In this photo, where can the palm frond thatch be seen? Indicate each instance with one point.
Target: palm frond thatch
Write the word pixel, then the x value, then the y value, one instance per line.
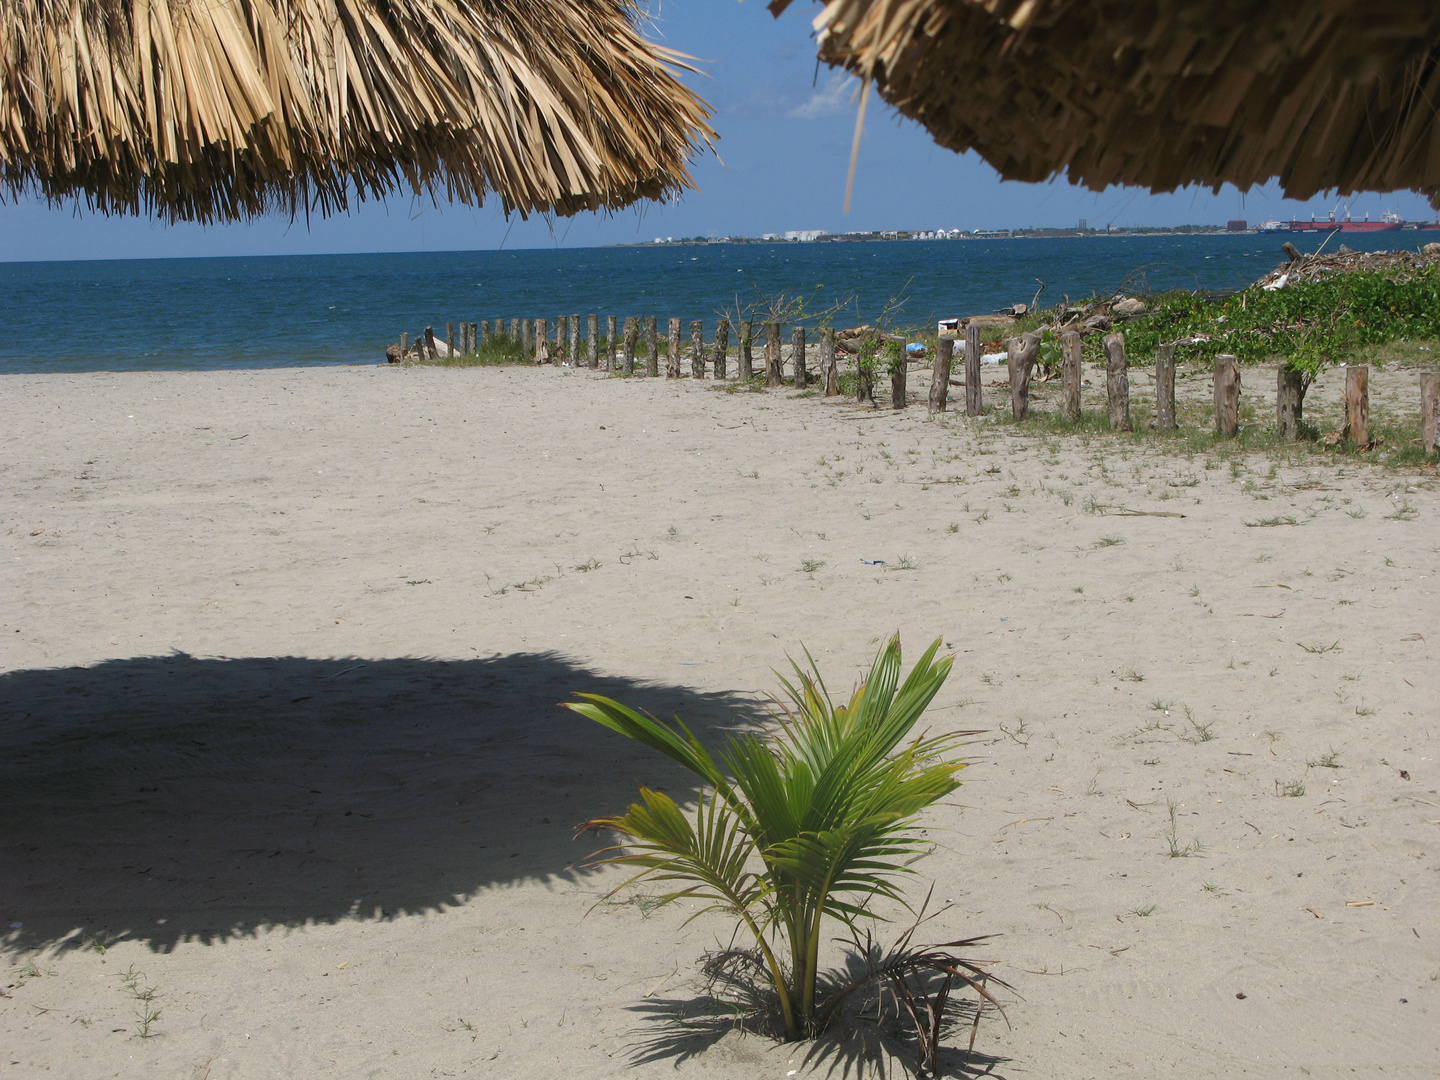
pixel 1325 94
pixel 223 109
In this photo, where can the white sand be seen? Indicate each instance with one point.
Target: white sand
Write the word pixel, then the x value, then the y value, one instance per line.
pixel 279 722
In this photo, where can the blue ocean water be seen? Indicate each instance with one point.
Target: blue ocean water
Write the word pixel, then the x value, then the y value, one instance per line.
pixel 285 311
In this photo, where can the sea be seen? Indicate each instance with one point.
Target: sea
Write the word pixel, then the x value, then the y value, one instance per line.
pixel 299 310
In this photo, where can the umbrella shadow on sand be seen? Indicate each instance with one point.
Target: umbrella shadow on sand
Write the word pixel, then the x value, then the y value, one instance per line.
pixel 170 798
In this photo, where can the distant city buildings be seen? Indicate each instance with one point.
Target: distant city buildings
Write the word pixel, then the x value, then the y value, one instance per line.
pixel 811 236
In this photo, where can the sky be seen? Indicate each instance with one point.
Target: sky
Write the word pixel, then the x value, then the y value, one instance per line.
pixel 785 130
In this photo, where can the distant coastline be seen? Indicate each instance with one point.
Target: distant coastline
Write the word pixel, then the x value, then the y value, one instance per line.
pixel 818 236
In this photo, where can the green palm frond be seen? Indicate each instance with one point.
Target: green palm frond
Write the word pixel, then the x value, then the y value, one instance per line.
pixel 815 824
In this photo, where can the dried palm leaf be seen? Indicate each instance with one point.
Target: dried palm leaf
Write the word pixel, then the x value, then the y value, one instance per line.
pixel 1328 94
pixel 223 109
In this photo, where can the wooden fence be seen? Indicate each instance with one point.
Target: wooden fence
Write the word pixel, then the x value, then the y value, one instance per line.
pixel 623 342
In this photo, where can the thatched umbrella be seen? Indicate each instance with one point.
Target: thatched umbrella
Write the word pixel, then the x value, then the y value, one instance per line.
pixel 1323 94
pixel 223 109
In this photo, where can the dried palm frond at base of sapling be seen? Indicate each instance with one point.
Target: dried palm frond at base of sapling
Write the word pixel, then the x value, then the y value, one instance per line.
pixel 814 824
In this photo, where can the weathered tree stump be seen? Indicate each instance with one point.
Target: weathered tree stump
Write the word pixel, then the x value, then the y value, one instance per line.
pixel 721 347
pixel 1227 394
pixel 1429 406
pixel 1357 405
pixel 974 401
pixel 747 360
pixel 940 375
pixel 652 347
pixel 797 357
pixel 1071 375
pixel 697 349
pixel 1117 382
pixel 1165 387
pixel 774 374
pixel 1289 401
pixel 610 334
pixel 632 335
pixel 1021 354
pixel 592 340
pixel 672 361
pixel 828 363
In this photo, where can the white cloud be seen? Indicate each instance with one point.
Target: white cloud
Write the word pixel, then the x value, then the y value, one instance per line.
pixel 835 96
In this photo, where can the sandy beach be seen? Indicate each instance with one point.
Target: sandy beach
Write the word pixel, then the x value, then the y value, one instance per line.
pixel 280 662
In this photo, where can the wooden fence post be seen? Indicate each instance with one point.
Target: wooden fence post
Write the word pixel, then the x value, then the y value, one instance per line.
pixel 1117 382
pixel 542 342
pixel 527 342
pixel 747 360
pixel 672 363
pixel 632 334
pixel 828 363
pixel 774 374
pixel 450 341
pixel 1429 406
pixel 1165 387
pixel 652 347
pixel 697 349
pixel 722 346
pixel 797 357
pixel 974 402
pixel 1071 375
pixel 484 332
pixel 899 379
pixel 1289 401
pixel 404 346
pixel 1357 405
pixel 1022 353
pixel 574 349
pixel 474 337
pixel 592 341
pixel 940 375
pixel 562 331
pixel 429 344
pixel 1227 394
pixel 610 331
